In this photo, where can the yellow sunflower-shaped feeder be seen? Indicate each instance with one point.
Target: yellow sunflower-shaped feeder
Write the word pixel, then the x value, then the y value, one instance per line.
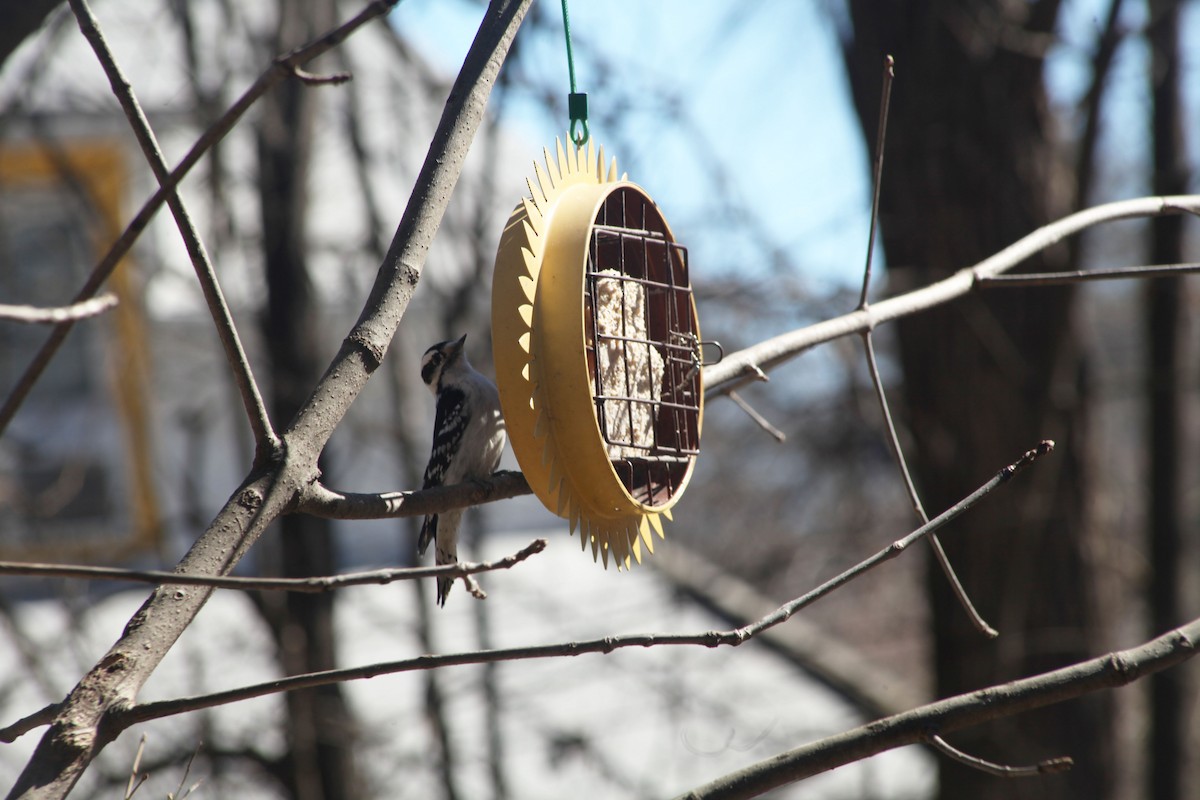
pixel 597 352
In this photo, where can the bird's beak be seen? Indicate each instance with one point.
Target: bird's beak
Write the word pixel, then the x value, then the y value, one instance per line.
pixel 459 342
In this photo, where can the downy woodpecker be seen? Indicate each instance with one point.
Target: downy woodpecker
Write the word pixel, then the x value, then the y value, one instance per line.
pixel 468 438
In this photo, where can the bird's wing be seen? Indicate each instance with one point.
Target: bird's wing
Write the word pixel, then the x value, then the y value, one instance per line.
pixel 449 424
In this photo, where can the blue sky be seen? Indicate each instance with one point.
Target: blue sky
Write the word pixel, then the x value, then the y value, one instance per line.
pixel 761 89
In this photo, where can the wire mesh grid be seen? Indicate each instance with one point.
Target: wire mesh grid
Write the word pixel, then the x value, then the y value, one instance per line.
pixel 643 347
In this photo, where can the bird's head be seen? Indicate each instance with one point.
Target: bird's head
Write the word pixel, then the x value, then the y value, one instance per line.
pixel 439 358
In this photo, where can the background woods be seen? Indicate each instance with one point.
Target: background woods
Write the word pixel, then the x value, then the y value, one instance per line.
pixel 972 163
pixel 132 451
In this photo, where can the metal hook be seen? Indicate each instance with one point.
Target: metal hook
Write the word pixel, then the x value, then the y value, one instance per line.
pixel 720 352
pixel 696 348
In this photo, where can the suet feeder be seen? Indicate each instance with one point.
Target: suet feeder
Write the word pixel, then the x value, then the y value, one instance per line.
pixel 597 352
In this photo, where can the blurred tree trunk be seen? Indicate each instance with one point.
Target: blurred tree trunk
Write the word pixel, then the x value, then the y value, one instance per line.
pixel 1164 745
pixel 970 169
pixel 319 764
pixel 21 18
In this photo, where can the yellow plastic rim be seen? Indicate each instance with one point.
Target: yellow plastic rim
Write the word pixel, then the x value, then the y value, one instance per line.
pixel 541 362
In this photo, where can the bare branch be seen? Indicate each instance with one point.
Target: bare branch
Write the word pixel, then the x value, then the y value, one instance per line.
pixel 136 777
pixel 885 101
pixel 280 70
pixel 893 437
pixel 53 316
pixel 814 648
pixel 320 501
pixel 149 711
pixel 737 636
pixel 312 79
pixel 22 726
pixel 1108 41
pixel 737 368
pixel 1083 276
pixel 1046 767
pixel 899 546
pixel 939 552
pixel 758 418
pixel 313 585
pixel 955 713
pixel 266 442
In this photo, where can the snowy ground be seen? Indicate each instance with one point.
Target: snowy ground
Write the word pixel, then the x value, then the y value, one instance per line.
pixel 635 723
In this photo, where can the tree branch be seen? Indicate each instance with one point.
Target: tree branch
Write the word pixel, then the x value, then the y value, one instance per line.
pixel 900 545
pixel 1086 275
pixel 133 715
pixel 37 719
pixel 1048 766
pixel 323 502
pixel 955 713
pixel 740 367
pixel 885 100
pixel 265 440
pixel 939 553
pixel 73 312
pixel 312 79
pixel 313 585
pixel 813 648
pixel 758 418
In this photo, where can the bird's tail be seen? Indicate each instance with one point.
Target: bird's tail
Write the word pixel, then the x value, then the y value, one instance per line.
pixel 444 585
pixel 445 555
pixel 446 551
pixel 428 534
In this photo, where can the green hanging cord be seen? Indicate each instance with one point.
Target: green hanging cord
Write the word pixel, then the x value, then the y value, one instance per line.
pixel 576 101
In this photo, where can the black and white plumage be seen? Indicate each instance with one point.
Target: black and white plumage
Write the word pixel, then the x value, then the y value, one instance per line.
pixel 468 438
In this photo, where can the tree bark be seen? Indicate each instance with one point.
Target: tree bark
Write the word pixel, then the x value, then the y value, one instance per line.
pixel 970 170
pixel 1167 730
pixel 21 18
pixel 319 764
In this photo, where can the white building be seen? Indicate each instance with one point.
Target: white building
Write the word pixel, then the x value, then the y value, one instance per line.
pixel 135 437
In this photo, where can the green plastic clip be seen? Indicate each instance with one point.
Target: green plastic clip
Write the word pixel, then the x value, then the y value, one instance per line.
pixel 578 112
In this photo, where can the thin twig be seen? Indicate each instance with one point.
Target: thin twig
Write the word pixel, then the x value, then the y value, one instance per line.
pixel 893 437
pixel 266 441
pixel 312 585
pixel 893 440
pixel 312 79
pixel 899 546
pixel 180 793
pixel 608 644
pixel 1049 766
pixel 136 778
pixel 885 101
pixel 939 553
pixel 740 367
pixel 53 316
pixel 762 421
pixel 1107 44
pixel 474 588
pixel 279 71
pixel 1082 276
pixel 955 713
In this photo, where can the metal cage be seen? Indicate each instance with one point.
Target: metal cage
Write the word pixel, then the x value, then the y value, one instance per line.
pixel 643 348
